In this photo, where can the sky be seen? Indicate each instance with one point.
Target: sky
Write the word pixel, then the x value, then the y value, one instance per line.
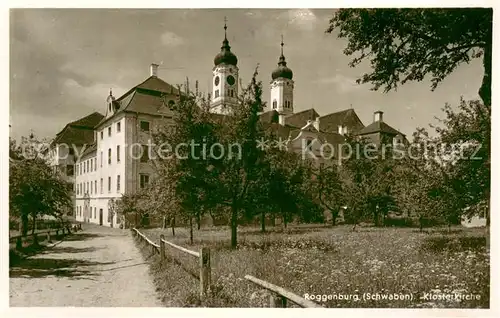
pixel 63 62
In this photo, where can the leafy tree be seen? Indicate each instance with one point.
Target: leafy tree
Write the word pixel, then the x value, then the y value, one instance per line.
pixel 230 179
pixel 328 186
pixel 407 44
pixel 34 189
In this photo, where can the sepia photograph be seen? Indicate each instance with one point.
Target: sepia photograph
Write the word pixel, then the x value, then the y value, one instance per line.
pixel 241 158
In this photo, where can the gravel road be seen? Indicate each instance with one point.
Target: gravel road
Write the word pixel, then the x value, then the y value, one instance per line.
pixel 99 267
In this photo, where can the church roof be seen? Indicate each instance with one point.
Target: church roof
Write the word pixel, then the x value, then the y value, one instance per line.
pixel 347 117
pixel 378 126
pixel 300 119
pixel 79 132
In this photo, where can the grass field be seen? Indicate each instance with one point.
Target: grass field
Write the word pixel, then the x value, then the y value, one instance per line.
pixel 331 261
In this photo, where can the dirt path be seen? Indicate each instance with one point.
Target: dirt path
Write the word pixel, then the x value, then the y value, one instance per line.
pixel 97 267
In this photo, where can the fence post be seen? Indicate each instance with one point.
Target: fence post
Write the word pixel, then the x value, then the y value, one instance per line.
pixel 277 301
pixel 162 248
pixel 205 276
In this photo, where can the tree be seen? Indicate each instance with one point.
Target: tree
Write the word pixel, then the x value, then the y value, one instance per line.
pixel 34 189
pixel 228 180
pixel 407 44
pixel 328 187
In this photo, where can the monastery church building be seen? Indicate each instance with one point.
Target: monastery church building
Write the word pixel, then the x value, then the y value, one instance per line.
pixel 105 170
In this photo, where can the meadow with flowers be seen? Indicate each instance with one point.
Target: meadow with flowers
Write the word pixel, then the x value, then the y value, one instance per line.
pixel 322 260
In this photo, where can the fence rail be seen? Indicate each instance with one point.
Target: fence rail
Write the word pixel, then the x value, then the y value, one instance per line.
pixel 47 234
pixel 203 256
pixel 278 298
pixel 279 295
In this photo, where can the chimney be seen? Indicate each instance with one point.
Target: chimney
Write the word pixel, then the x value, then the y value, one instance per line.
pixel 153 70
pixel 316 123
pixel 378 116
pixel 341 130
pixel 281 119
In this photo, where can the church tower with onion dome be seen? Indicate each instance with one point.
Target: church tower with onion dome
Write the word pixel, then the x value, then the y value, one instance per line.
pixel 282 88
pixel 225 78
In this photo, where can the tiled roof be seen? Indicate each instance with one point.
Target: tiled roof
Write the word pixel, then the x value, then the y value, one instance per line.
pixel 270 116
pixel 300 119
pixel 378 126
pixel 89 151
pixel 79 132
pixel 147 97
pixel 348 117
pixel 88 121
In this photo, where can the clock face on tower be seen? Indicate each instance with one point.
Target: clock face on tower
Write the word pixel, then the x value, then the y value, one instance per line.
pixel 231 80
pixel 217 80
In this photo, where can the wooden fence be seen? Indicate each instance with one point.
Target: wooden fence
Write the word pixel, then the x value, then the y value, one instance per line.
pixel 46 235
pixel 203 256
pixel 278 295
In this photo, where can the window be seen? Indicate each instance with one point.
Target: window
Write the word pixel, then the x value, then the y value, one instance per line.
pixel 118 183
pixel 118 153
pixel 118 127
pixel 109 131
pixel 216 93
pixel 109 184
pixel 308 142
pixel 70 170
pixel 145 154
pixel 95 186
pixel 95 163
pixel 88 166
pixel 231 93
pixel 144 180
pixel 83 167
pixel 88 187
pixel 91 165
pixel 102 135
pixel 275 104
pixel 144 125
pixel 102 186
pixel 76 170
pixel 109 156
pixel 77 189
pixel 95 209
pixel 101 159
pixel 91 187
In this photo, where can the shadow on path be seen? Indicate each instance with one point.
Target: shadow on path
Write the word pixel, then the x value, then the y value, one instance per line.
pixel 81 237
pixel 67 249
pixel 42 267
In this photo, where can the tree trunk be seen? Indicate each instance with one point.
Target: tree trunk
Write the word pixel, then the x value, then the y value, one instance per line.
pixel 33 228
pixel 234 227
pixel 334 218
pixel 263 221
pixel 191 230
pixel 23 225
pixel 172 223
pixel 198 221
pixel 164 225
